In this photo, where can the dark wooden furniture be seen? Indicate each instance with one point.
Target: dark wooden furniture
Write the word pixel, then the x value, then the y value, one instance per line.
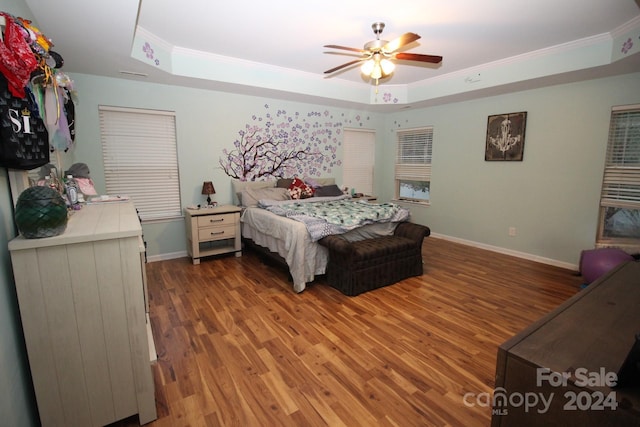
pixel 588 337
pixel 356 267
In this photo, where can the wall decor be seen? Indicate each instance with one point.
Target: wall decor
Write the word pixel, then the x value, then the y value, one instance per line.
pixel 283 144
pixel 505 136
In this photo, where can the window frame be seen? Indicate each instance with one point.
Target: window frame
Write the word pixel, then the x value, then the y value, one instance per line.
pixel 621 176
pixel 140 159
pixel 412 170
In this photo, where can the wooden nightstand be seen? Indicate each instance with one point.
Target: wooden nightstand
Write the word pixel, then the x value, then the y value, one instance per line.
pixel 213 231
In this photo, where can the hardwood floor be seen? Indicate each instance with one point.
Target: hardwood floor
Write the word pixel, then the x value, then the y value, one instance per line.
pixel 237 347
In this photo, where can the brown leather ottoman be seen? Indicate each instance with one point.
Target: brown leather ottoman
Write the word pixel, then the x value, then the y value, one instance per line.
pixel 356 267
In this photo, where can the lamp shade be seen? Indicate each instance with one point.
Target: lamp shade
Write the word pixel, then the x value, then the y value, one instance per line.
pixel 377 67
pixel 367 67
pixel 387 67
pixel 207 188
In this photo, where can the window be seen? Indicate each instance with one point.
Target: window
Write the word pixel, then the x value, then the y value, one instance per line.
pixel 413 164
pixel 359 159
pixel 140 159
pixel 620 199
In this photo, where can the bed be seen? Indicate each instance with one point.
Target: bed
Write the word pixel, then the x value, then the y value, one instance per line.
pixel 291 238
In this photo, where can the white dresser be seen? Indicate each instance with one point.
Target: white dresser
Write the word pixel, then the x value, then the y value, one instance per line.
pixel 213 231
pixel 82 304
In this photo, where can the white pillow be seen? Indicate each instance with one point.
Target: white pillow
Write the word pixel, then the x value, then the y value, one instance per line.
pixel 239 186
pixel 251 196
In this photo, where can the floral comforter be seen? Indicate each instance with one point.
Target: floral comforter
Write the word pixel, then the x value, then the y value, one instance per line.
pixel 324 216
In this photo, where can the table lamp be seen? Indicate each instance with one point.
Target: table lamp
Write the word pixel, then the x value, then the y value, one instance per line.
pixel 207 188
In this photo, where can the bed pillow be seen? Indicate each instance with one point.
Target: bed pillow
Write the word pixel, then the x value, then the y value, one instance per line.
pixel 324 181
pixel 251 196
pixel 299 189
pixel 311 182
pixel 239 186
pixel 328 191
pixel 284 182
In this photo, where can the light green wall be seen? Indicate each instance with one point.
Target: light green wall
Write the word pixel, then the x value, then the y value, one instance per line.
pixel 551 197
pixel 17 403
pixel 206 123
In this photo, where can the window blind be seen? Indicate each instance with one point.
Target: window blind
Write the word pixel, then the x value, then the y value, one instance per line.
pixel 359 159
pixel 140 158
pixel 621 182
pixel 414 154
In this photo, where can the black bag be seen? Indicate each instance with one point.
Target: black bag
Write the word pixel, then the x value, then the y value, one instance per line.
pixel 24 141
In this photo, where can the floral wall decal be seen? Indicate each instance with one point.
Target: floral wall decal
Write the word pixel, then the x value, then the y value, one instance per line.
pixel 284 145
pixel 388 97
pixel 149 53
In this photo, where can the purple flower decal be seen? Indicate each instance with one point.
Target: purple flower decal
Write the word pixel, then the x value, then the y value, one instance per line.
pixel 626 46
pixel 148 50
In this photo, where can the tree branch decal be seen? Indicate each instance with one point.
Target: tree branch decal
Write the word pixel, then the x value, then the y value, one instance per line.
pixel 283 146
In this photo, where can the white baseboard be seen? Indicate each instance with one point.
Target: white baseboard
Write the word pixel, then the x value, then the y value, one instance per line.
pixel 164 257
pixel 518 254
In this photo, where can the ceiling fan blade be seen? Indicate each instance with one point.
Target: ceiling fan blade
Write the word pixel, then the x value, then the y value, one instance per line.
pixel 335 46
pixel 396 44
pixel 434 59
pixel 339 67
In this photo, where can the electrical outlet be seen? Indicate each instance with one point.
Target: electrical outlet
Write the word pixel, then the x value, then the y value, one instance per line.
pixel 512 231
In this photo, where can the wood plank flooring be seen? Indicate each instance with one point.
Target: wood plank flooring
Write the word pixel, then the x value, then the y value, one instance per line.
pixel 237 347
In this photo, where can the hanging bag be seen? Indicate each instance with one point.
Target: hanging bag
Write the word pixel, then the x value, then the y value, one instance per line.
pixel 24 141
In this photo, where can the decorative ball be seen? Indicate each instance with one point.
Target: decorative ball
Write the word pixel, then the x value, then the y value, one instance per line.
pixel 40 212
pixel 596 262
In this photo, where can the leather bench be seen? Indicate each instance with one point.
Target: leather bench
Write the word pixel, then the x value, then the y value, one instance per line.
pixel 360 266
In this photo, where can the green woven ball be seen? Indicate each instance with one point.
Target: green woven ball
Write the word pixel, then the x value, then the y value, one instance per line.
pixel 40 212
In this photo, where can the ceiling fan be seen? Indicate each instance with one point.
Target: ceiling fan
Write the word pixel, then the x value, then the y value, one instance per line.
pixel 377 55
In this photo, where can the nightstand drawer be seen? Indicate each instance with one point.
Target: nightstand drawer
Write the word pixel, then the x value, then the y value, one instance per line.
pixel 227 231
pixel 216 220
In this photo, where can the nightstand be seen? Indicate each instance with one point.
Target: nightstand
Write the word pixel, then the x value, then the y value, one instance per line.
pixel 213 231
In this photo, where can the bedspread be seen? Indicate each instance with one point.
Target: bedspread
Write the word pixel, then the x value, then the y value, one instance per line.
pixel 335 215
pixel 290 239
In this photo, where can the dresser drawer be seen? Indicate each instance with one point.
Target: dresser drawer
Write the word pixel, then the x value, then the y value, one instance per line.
pixel 216 220
pixel 217 233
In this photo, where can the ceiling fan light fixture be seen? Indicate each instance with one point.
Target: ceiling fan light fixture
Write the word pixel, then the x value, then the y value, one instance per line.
pixel 377 55
pixel 376 73
pixel 367 67
pixel 387 67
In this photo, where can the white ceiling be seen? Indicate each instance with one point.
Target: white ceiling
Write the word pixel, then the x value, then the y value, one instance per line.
pixel 95 37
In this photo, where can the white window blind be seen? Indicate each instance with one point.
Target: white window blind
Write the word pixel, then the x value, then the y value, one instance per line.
pixel 359 160
pixel 621 183
pixel 620 199
pixel 413 161
pixel 140 159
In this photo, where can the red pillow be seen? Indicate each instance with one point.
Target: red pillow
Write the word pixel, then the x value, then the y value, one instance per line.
pixel 299 190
